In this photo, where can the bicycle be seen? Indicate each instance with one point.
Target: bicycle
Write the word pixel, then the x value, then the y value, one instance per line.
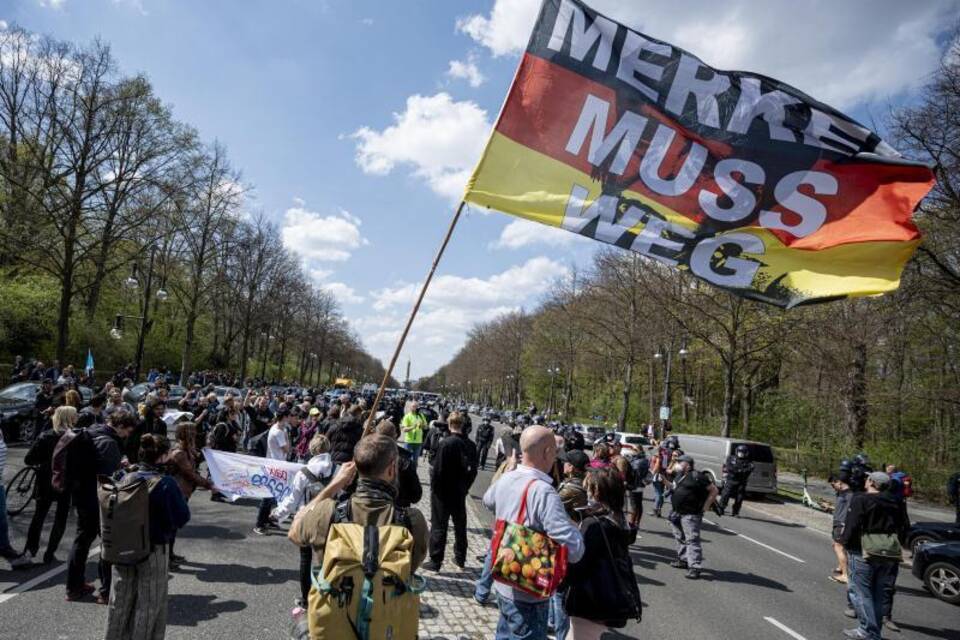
pixel 21 490
pixel 817 504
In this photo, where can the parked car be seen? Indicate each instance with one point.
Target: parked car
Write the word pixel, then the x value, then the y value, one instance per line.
pixel 591 433
pixel 923 532
pixel 138 394
pixel 632 444
pixel 16 410
pixel 710 452
pixel 937 565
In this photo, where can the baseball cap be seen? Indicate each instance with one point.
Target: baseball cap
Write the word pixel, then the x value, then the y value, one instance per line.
pixel 575 457
pixel 314 411
pixel 879 479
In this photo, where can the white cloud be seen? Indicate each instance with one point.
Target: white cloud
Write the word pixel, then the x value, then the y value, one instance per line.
pixel 349 217
pixel 52 4
pixel 319 276
pixel 843 53
pixel 319 238
pixel 3 25
pixel 343 293
pixel 133 4
pixel 524 233
pixel 466 70
pixel 367 21
pixel 453 304
pixel 438 137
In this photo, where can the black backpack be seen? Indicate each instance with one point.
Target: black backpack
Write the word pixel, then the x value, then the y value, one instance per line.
pixel 639 470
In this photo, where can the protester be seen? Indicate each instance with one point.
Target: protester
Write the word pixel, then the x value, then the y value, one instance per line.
pixel 40 456
pixel 411 428
pixel 572 492
pixel 138 599
pixel 345 435
pixel 93 413
pixel 182 464
pixel 308 428
pixel 100 453
pixel 278 448
pixel 373 503
pixel 693 493
pixel 115 403
pixel 453 472
pixel 306 485
pixel 409 489
pixel 7 551
pixel 841 503
pixel 875 527
pixel 152 422
pixel 522 616
pixel 439 429
pixel 601 456
pixel 602 592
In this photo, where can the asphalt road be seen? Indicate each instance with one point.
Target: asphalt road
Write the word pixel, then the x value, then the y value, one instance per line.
pixel 765 578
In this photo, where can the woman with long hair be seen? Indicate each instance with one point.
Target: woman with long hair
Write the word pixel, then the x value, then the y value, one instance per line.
pixel 603 593
pixel 182 462
pixel 40 456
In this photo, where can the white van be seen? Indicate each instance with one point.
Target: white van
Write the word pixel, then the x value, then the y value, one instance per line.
pixel 710 452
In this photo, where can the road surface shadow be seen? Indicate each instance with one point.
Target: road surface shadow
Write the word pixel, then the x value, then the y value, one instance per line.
pixel 210 531
pixel 790 525
pixel 948 634
pixel 737 577
pixel 239 573
pixel 190 610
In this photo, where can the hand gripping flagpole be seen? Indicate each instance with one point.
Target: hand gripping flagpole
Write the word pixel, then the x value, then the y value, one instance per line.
pixel 413 314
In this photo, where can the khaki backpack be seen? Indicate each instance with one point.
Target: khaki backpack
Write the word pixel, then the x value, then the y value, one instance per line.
pixel 125 518
pixel 366 588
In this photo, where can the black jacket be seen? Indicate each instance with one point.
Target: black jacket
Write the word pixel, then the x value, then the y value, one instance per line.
pixel 485 433
pixel 454 467
pixel 343 438
pixel 409 489
pixel 40 455
pixel 602 585
pixel 874 513
pixel 150 424
pixel 87 418
pixel 737 470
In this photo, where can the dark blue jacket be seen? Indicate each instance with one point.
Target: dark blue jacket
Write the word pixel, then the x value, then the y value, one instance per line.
pixel 168 509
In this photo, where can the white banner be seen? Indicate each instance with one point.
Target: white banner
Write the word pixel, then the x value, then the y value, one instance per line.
pixel 236 475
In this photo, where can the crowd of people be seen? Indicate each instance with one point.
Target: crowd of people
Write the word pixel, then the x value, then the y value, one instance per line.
pixel 362 469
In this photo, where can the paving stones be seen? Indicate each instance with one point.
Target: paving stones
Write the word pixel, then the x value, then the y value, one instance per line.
pixel 447 608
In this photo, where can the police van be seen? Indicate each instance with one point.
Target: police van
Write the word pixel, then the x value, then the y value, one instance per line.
pixel 710 452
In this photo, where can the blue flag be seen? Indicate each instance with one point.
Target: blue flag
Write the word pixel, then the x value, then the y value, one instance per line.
pixel 89 366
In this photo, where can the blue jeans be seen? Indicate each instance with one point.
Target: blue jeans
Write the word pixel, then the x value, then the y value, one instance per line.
pixel 657 496
pixel 5 548
pixel 485 582
pixel 869 581
pixel 414 448
pixel 522 620
pixel 558 618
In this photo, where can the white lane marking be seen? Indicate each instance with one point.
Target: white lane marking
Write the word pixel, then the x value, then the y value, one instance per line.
pixel 756 542
pixel 37 580
pixel 787 630
pixel 785 520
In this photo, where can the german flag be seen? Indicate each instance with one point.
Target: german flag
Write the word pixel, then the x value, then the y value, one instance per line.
pixel 746 182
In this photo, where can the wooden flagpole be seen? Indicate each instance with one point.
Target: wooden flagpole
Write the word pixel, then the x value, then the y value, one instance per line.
pixel 413 314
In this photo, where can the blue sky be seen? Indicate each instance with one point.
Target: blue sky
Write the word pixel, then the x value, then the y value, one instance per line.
pixel 356 122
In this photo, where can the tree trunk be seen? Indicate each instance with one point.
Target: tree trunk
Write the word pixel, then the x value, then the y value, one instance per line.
pixel 186 362
pixel 66 291
pixel 625 402
pixel 746 400
pixel 729 399
pixel 856 400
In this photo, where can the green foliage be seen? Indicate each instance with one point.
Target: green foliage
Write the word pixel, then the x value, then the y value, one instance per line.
pixel 28 311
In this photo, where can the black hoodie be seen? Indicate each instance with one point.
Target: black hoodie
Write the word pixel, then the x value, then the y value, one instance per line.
pixel 874 513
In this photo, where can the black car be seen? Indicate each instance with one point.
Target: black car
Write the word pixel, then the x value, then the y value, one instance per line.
pixel 922 532
pixel 937 564
pixel 138 393
pixel 17 417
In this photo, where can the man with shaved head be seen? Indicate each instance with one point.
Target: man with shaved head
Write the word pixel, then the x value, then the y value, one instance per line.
pixel 523 616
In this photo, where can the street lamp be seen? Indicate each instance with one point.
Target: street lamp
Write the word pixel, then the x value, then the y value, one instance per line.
pixel 162 294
